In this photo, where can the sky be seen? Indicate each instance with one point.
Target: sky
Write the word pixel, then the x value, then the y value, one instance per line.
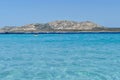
pixel 22 12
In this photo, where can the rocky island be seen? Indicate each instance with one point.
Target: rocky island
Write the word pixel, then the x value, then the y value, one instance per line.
pixel 59 27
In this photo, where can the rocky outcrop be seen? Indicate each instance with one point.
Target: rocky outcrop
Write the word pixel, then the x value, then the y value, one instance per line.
pixel 56 26
pixel 72 25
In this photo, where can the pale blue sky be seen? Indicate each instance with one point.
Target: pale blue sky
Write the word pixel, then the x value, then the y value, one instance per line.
pixel 21 12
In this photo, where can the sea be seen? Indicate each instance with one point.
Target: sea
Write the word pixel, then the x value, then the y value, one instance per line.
pixel 80 56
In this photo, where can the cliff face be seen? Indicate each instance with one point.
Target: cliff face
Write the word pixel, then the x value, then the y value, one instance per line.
pixel 54 27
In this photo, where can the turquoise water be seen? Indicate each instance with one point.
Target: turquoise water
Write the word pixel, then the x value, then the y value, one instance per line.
pixel 60 57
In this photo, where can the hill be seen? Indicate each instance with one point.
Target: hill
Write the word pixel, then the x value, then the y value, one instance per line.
pixel 58 26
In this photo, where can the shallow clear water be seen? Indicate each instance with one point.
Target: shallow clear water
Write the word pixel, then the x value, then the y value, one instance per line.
pixel 60 57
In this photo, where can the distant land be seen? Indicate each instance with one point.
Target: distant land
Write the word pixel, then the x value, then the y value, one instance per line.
pixel 60 26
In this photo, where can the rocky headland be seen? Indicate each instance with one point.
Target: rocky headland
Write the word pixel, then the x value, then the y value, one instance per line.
pixel 58 26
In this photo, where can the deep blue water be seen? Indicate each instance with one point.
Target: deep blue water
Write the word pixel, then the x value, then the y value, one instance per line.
pixel 60 57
